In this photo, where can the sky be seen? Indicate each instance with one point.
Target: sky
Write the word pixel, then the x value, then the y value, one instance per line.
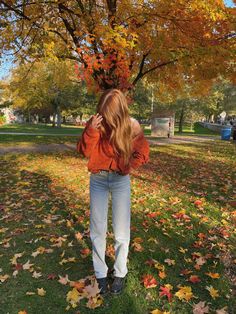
pixel 6 62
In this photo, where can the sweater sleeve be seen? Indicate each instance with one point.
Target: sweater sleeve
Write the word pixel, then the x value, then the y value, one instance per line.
pixel 141 151
pixel 88 140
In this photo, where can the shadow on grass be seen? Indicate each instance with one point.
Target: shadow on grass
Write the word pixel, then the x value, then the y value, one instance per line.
pixel 201 169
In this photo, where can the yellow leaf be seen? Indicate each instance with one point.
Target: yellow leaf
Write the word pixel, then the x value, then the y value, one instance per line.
pixel 4 277
pixel 159 312
pixel 184 293
pixel 41 292
pixel 94 302
pixel 73 297
pixel 213 292
pixel 182 250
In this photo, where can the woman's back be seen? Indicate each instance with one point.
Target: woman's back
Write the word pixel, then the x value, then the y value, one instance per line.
pixel 101 152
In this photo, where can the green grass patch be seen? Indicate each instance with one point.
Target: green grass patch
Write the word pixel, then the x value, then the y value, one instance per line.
pixel 187 131
pixel 39 128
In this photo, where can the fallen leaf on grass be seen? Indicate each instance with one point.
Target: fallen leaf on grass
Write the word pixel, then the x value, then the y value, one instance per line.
pixel 4 277
pixel 73 297
pixel 51 276
pixel 199 262
pixel 194 279
pixel 36 275
pixel 159 266
pixel 41 292
pixel 79 285
pixel 136 244
pixel 169 261
pixel 94 302
pixel 110 251
pixel 92 290
pixel 14 258
pixel 149 281
pixel 159 312
pixel 67 260
pixel 27 265
pixel 85 252
pixel 213 275
pixel 213 292
pixel 64 280
pixel 162 274
pixel 182 250
pixel 198 203
pixel 165 291
pixel 79 236
pixel 30 293
pixel 200 308
pixel 184 293
pixel 222 311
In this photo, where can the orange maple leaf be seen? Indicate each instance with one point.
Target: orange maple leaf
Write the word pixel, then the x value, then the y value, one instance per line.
pixel 149 281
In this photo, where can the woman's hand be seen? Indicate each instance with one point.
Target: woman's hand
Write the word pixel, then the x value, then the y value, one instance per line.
pixel 96 121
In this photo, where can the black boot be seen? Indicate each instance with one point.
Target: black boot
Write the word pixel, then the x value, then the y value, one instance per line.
pixel 118 285
pixel 103 285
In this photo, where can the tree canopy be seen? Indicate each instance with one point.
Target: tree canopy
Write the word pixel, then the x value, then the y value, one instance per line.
pixel 117 43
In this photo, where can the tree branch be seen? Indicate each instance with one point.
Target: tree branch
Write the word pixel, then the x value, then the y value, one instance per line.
pixel 140 74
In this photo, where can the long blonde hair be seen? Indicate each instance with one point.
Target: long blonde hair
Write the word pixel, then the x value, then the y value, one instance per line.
pixel 116 123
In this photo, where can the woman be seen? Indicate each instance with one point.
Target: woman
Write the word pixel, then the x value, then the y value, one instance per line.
pixel 114 143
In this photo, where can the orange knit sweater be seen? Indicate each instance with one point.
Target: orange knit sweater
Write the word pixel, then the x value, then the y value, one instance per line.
pixel 101 154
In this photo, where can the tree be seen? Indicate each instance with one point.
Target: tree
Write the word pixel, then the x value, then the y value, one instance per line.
pixel 118 43
pixel 222 97
pixel 142 105
pixel 50 88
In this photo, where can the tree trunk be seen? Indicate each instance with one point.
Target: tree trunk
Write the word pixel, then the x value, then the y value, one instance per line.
pixel 58 112
pixel 29 116
pixel 54 118
pixel 191 125
pixel 181 120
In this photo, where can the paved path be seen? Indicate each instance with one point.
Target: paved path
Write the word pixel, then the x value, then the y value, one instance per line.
pixel 31 147
pixel 181 139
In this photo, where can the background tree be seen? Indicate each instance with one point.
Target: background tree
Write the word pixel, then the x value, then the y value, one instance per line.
pixel 50 88
pixel 142 106
pixel 222 97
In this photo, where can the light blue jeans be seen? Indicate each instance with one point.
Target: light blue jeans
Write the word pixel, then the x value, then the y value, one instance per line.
pixel 119 185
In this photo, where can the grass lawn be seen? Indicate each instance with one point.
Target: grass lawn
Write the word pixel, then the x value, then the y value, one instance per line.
pixel 182 233
pixel 39 128
pixel 9 139
pixel 197 130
